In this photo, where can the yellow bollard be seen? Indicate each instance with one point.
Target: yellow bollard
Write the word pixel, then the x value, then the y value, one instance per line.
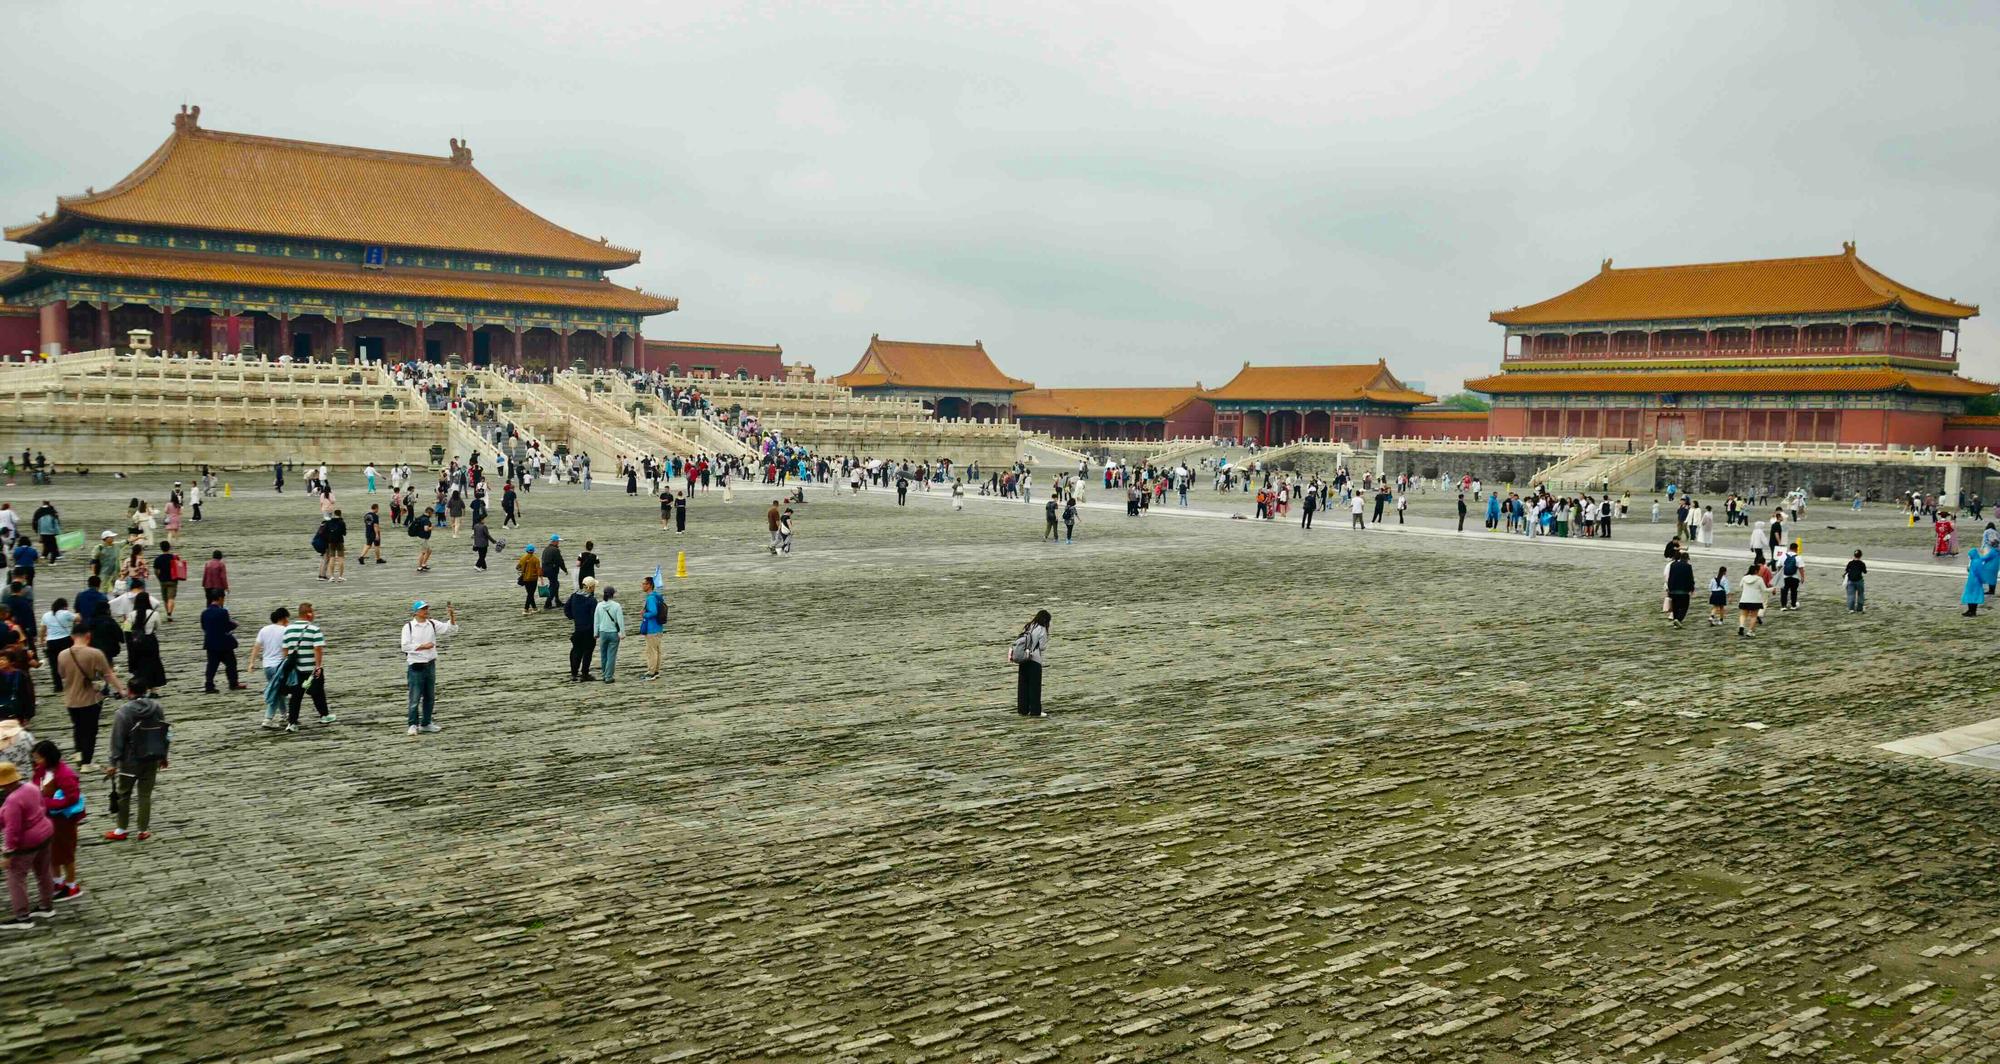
pixel 225 489
pixel 681 564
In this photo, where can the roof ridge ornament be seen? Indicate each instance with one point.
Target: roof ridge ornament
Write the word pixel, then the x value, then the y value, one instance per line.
pixel 1605 267
pixel 1847 248
pixel 461 151
pixel 188 120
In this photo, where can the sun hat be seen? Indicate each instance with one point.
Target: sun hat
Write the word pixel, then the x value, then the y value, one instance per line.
pixel 9 773
pixel 107 534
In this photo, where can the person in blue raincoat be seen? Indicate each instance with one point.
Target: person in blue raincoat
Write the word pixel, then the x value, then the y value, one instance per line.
pixel 1975 579
pixel 1493 510
pixel 1989 565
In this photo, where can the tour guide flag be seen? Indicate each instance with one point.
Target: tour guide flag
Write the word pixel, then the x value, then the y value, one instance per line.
pixel 70 541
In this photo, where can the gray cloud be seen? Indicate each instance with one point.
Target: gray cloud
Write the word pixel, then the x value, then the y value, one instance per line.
pixel 1102 193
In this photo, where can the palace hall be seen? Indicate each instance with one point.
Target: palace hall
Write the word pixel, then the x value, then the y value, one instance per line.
pixel 1823 349
pixel 951 380
pixel 228 242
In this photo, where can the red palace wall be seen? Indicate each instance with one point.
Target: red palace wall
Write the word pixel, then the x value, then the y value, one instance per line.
pixel 1973 433
pixel 18 333
pixel 1443 428
pixel 1899 427
pixel 1195 419
pixel 762 364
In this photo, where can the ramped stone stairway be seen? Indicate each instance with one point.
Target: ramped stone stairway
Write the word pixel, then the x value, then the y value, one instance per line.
pixel 1591 469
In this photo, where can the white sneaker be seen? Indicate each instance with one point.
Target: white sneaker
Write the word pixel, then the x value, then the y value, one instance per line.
pixel 413 729
pixel 432 728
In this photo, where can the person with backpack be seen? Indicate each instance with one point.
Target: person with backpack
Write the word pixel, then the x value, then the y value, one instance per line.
pixel 653 625
pixel 420 527
pixel 1794 572
pixel 140 737
pixel 553 568
pixel 420 652
pixel 1026 653
pixel 169 569
pixel 371 535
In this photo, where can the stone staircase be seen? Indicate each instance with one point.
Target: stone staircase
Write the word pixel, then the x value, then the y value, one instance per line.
pixel 1590 470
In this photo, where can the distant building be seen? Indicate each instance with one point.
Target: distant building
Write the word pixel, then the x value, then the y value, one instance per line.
pixel 1822 349
pixel 225 241
pixel 1342 403
pixel 691 358
pixel 1115 413
pixel 952 380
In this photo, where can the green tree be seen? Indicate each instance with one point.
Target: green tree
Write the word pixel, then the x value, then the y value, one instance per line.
pixel 1983 405
pixel 1465 401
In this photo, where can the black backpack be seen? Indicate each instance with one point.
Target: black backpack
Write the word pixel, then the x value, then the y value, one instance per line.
pixel 148 740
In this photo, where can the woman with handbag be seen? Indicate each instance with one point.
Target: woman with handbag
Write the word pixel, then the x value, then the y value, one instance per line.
pixel 1026 653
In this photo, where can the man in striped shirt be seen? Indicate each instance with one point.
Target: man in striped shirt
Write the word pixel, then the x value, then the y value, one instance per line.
pixel 305 665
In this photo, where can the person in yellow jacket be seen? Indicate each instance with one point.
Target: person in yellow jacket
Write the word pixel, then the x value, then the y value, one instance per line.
pixel 530 568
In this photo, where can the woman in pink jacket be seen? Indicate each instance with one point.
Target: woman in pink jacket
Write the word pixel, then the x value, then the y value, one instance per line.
pixel 25 833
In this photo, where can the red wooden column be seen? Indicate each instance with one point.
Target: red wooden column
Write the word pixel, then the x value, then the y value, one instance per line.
pixel 465 343
pixel 55 327
pixel 416 352
pixel 165 341
pixel 562 348
pixel 339 333
pixel 283 344
pixel 514 333
pixel 232 332
pixel 104 325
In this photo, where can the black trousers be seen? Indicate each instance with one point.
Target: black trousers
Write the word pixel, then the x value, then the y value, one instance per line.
pixel 1306 521
pixel 56 647
pixel 1679 604
pixel 83 730
pixel 51 553
pixel 1461 521
pixel 318 692
pixel 680 519
pixel 1028 689
pixel 224 658
pixel 580 645
pixel 1789 594
pixel 481 560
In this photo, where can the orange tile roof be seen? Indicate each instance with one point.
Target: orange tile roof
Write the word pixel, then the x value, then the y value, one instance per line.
pixel 11 270
pixel 105 260
pixel 1817 284
pixel 910 364
pixel 238 183
pixel 1832 380
pixel 1138 404
pixel 1367 380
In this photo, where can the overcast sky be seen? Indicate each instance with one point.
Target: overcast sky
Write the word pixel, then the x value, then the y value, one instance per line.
pixel 1104 193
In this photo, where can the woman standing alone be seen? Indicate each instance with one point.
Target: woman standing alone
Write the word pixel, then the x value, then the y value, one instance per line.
pixel 1027 654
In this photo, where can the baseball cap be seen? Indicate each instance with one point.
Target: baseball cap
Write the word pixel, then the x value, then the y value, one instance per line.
pixel 417 605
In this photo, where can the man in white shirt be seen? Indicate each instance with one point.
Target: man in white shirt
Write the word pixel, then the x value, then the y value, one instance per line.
pixel 1355 506
pixel 420 653
pixel 271 654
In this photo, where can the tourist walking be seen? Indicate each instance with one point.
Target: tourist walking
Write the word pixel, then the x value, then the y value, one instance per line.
pixel 85 673
pixel 1680 585
pixel 652 625
pixel 57 625
pixel 581 609
pixel 420 653
pixel 610 624
pixel 304 639
pixel 1718 595
pixel 140 741
pixel 62 800
pixel 1854 579
pixel 218 640
pixel 529 566
pixel 482 541
pixel 270 648
pixel 1026 653
pixel 1750 599
pixel 214 575
pixel 553 568
pixel 25 837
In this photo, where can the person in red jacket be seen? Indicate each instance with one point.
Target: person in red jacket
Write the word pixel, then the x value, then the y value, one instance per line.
pixel 25 833
pixel 215 575
pixel 62 800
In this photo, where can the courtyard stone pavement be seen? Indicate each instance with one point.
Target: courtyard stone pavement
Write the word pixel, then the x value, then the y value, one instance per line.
pixel 1326 796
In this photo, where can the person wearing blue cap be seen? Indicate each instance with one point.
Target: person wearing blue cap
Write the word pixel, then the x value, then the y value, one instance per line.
pixel 553 567
pixel 420 650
